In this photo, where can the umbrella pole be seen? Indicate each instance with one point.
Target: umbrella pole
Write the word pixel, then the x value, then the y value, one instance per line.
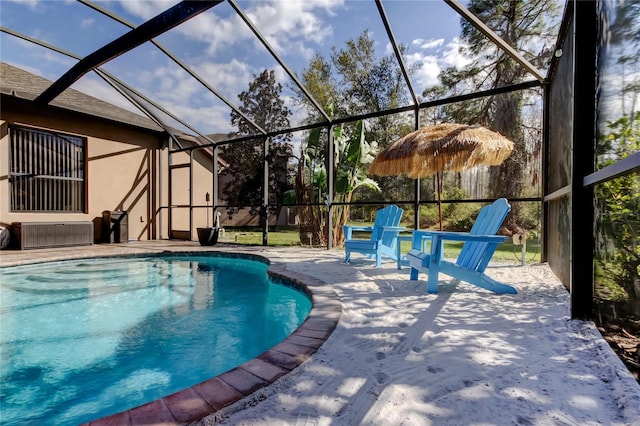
pixel 439 200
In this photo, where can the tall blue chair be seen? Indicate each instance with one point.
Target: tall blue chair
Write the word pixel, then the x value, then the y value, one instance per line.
pixel 382 241
pixel 479 245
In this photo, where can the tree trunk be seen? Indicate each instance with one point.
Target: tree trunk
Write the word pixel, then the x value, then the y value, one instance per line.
pixel 507 179
pixel 310 228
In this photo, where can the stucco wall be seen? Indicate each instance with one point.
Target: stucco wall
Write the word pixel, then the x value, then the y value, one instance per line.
pixel 124 168
pixel 182 197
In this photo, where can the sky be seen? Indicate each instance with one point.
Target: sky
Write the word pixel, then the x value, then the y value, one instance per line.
pixel 220 47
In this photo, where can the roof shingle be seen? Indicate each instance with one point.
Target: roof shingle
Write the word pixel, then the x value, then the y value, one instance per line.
pixel 22 84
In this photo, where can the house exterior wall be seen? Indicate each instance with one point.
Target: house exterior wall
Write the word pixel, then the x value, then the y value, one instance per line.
pixel 203 212
pixel 127 169
pixel 182 197
pixel 124 168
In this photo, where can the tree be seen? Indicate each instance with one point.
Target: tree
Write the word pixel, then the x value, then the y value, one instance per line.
pixel 351 82
pixel 353 154
pixel 618 203
pixel 618 200
pixel 625 39
pixel 524 25
pixel 263 105
pixel 320 82
pixel 368 84
pixel 310 178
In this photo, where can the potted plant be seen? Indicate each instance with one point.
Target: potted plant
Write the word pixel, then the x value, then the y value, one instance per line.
pixel 208 236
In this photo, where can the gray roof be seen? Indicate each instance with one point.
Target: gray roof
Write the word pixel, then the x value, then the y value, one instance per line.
pixel 25 85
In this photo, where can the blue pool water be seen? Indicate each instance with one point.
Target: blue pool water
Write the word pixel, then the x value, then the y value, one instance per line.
pixel 84 339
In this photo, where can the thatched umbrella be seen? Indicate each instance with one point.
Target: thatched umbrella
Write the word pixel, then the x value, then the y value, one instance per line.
pixel 440 147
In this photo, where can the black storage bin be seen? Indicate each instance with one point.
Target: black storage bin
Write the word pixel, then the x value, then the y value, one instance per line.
pixel 115 226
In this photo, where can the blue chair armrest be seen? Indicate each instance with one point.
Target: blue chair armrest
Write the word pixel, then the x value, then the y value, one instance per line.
pixel 357 228
pixel 348 230
pixel 465 236
pixel 393 228
pixel 419 238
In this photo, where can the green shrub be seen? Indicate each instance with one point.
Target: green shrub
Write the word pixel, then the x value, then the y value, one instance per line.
pixel 428 216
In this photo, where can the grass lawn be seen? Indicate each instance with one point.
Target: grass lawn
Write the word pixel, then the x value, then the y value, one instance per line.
pixel 506 252
pixel 285 237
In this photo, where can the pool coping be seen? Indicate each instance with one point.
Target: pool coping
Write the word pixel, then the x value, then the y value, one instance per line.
pixel 212 395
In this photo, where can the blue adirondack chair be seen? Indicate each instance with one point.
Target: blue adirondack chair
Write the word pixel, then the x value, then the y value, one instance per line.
pixel 479 245
pixel 382 241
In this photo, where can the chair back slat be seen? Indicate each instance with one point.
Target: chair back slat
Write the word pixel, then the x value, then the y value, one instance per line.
pixel 488 222
pixel 388 216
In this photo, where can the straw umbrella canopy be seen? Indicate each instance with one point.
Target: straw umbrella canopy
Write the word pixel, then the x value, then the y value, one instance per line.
pixel 437 148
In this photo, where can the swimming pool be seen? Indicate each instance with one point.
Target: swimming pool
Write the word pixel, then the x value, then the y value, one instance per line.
pixel 84 339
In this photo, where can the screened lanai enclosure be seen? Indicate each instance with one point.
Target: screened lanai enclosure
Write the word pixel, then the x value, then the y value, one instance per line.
pixel 262 117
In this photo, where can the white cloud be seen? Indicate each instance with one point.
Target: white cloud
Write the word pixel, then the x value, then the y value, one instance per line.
pixel 281 76
pixel 281 22
pixel 288 26
pixel 427 71
pixel 31 4
pixel 428 44
pixel 97 88
pixel 206 119
pixel 388 49
pixel 87 22
pixel 291 27
pixel 50 57
pixel 146 9
pixel 214 32
pixel 229 78
pixel 453 55
pixel 431 56
pixel 172 88
pixel 188 99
